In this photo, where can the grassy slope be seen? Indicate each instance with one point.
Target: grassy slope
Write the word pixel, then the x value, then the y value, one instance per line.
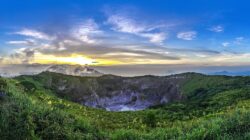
pixel 215 107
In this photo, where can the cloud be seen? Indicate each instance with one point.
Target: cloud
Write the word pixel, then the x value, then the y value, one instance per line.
pixel 22 56
pixel 155 37
pixel 1 59
pixel 103 51
pixel 85 30
pixel 238 40
pixel 225 44
pixel 125 54
pixel 107 53
pixel 238 58
pixel 190 35
pixel 86 38
pixel 217 29
pixel 27 42
pixel 35 34
pixel 235 41
pixel 196 51
pixel 125 24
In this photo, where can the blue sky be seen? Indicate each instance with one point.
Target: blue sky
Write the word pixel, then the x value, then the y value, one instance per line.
pixel 122 32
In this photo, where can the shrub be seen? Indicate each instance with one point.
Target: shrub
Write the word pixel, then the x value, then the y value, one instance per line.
pixel 150 119
pixel 28 86
pixel 3 84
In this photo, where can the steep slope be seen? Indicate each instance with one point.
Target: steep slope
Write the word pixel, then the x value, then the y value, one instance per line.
pixel 114 93
pixel 28 113
pixel 212 107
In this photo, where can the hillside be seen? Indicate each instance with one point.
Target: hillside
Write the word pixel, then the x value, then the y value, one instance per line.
pixel 46 106
pixel 112 92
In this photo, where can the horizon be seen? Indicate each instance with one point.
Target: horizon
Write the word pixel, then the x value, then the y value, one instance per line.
pixel 128 70
pixel 132 35
pixel 124 69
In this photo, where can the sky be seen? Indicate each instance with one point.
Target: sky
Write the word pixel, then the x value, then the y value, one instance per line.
pixel 125 32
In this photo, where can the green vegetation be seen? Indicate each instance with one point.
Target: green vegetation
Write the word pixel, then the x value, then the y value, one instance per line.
pixel 213 107
pixel 28 86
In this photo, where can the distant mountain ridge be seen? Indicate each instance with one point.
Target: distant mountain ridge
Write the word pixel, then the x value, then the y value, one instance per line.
pixel 228 73
pixel 75 70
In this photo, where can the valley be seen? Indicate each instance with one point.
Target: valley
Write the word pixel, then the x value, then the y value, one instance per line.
pixel 124 70
pixel 111 92
pixel 184 106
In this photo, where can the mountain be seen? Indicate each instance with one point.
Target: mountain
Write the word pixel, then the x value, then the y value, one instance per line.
pixel 239 73
pixel 17 70
pixel 75 70
pixel 114 93
pixel 33 69
pixel 183 106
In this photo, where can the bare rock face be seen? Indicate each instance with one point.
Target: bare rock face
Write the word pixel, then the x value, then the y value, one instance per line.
pixel 114 93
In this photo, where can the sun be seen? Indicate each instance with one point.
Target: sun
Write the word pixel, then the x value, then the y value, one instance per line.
pixel 74 59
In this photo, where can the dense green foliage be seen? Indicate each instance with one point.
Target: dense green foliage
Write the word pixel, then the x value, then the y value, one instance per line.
pixel 213 107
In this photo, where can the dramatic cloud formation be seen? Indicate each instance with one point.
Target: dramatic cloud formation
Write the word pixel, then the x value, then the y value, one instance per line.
pixel 21 56
pixel 86 44
pixel 121 36
pixel 85 30
pixel 75 49
pixel 125 24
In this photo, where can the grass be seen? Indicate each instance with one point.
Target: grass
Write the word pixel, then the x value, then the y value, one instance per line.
pixel 215 107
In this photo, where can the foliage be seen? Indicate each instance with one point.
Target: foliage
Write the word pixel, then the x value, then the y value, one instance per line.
pixel 3 85
pixel 214 107
pixel 28 86
pixel 150 119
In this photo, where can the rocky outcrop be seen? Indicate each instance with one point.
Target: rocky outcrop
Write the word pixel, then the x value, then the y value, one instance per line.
pixel 116 93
